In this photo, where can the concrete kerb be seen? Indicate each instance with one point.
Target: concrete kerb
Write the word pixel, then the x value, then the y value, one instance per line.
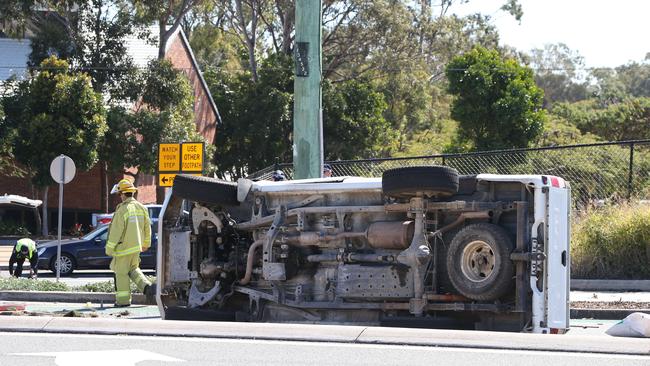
pixel 610 285
pixel 67 297
pixel 604 314
pixel 98 297
pixel 330 333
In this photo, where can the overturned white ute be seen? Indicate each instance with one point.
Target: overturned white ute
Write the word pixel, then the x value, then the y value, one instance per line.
pixel 419 247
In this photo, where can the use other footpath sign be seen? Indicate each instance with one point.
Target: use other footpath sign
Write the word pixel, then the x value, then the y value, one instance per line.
pixel 177 158
pixel 192 157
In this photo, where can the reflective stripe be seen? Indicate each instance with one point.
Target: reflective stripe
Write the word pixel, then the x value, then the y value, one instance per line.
pixel 111 244
pixel 119 253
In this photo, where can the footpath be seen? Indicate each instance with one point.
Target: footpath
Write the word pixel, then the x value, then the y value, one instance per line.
pixel 75 313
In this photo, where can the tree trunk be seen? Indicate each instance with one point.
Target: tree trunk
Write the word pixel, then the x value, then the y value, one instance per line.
pixel 252 61
pixel 37 219
pixel 37 216
pixel 162 39
pixel 46 224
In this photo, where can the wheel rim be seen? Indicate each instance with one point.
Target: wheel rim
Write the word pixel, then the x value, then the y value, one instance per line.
pixel 66 264
pixel 478 261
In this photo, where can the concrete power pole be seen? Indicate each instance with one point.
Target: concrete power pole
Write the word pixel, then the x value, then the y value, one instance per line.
pixel 307 110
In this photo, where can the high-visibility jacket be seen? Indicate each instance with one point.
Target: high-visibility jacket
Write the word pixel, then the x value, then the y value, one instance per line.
pixel 26 242
pixel 130 229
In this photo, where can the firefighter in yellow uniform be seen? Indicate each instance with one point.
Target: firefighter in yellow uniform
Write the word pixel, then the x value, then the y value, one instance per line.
pixel 128 234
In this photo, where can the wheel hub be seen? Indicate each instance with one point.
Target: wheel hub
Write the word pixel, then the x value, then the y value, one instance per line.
pixel 65 264
pixel 477 262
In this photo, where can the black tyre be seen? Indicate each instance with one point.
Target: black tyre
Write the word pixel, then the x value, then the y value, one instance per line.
pixel 205 189
pixel 68 264
pixel 439 181
pixel 478 262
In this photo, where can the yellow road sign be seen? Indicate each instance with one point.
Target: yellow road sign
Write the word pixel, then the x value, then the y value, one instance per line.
pixel 167 179
pixel 169 158
pixel 192 157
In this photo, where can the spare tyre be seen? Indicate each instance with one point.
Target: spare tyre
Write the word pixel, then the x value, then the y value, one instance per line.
pixel 205 189
pixel 431 181
pixel 478 262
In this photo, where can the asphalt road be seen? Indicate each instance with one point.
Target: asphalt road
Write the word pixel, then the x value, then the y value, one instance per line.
pixel 77 350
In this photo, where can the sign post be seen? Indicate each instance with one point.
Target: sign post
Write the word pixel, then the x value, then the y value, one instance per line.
pixel 176 158
pixel 62 170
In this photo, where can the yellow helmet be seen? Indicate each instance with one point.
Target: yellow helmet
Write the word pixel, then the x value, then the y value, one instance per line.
pixel 124 186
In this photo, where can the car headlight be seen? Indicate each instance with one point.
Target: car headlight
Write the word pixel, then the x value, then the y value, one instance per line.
pixel 40 251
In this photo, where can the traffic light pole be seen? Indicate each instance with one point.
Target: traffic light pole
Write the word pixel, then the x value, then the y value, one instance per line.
pixel 308 112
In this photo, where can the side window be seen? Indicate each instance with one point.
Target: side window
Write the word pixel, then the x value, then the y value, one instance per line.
pixel 104 235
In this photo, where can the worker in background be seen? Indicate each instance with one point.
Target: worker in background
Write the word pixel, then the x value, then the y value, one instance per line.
pixel 25 248
pixel 128 234
pixel 327 171
pixel 278 175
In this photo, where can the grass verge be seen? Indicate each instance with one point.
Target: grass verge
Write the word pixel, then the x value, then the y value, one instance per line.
pixel 25 284
pixel 612 243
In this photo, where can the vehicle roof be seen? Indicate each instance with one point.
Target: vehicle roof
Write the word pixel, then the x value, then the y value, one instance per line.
pixel 15 200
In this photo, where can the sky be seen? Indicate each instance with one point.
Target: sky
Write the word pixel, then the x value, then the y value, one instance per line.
pixel 606 33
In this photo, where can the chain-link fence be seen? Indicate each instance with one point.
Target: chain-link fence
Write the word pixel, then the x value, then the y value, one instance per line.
pixel 601 172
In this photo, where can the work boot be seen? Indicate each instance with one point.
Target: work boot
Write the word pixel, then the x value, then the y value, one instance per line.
pixel 150 293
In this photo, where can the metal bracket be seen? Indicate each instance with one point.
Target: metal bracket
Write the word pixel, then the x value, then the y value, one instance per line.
pixel 527 256
pixel 200 214
pixel 197 298
pixel 270 269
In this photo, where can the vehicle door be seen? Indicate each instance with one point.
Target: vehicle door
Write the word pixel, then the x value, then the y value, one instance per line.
pixel 148 258
pixel 92 252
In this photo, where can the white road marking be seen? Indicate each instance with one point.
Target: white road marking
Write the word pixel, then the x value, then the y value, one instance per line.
pixel 122 357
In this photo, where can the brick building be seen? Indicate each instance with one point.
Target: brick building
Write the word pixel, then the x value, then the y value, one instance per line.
pixel 83 196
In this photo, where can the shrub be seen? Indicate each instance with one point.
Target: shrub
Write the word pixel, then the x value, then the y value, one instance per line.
pixel 8 227
pixel 25 284
pixel 612 242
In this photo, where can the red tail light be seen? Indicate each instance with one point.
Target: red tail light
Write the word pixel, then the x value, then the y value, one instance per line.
pixel 555 182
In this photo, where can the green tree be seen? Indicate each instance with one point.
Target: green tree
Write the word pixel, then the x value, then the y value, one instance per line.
pixel 497 102
pixel 92 35
pixel 56 112
pixel 558 73
pixel 256 117
pixel 6 156
pixel 13 16
pixel 353 124
pixel 165 114
pixel 169 15
pixel 615 85
pixel 627 119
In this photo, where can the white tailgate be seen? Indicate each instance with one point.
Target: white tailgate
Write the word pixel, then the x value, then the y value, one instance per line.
pixel 558 260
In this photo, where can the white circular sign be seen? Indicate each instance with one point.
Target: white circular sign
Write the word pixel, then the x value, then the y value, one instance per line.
pixel 62 169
